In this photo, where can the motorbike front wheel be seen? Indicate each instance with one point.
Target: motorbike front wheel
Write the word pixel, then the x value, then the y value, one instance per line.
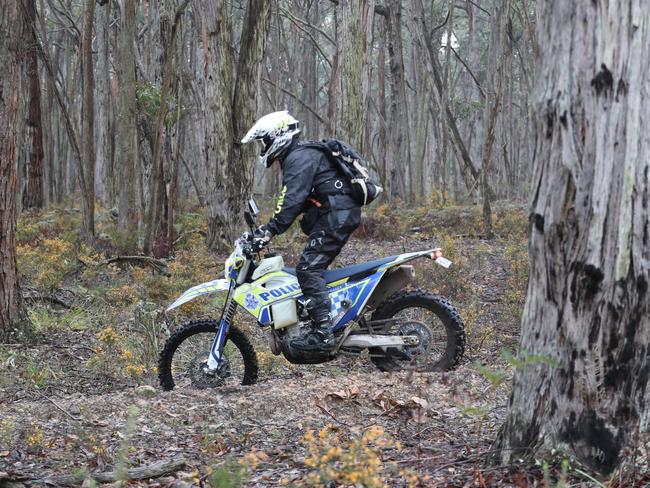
pixel 182 362
pixel 431 318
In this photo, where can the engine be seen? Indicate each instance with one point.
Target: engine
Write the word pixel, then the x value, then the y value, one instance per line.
pixel 280 343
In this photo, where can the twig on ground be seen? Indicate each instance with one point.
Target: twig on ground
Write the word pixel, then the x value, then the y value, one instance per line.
pixel 57 406
pixel 323 409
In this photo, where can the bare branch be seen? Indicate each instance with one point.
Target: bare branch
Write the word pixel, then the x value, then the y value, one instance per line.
pixel 295 97
pixel 313 40
pixel 296 19
pixel 478 85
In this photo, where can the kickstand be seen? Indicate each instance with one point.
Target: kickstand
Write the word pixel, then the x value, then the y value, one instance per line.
pixel 344 336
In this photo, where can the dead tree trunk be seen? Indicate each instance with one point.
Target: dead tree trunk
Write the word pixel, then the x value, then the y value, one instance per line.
pixel 13 318
pixel 582 387
pixel 33 194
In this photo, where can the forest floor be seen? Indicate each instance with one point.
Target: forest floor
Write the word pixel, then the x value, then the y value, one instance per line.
pixel 77 400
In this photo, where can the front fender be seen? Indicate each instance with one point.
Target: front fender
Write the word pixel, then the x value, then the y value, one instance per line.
pixel 202 289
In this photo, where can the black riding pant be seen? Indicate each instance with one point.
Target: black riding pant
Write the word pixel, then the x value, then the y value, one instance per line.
pixel 329 233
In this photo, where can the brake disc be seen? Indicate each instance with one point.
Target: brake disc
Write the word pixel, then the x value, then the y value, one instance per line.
pixel 422 332
pixel 202 377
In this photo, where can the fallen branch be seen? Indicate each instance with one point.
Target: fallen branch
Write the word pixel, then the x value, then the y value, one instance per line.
pixel 189 232
pixel 155 264
pixel 40 297
pixel 155 470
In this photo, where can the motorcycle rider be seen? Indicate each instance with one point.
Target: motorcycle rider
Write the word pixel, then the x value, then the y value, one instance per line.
pixel 313 186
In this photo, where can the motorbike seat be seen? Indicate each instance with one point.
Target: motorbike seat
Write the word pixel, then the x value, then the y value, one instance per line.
pixel 357 271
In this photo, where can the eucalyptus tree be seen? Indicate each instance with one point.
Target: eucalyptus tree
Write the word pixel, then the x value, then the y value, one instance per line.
pixel 231 94
pixel 33 194
pixel 584 368
pixel 126 125
pixel 13 318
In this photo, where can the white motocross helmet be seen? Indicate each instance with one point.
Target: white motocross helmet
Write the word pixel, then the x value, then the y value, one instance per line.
pixel 275 131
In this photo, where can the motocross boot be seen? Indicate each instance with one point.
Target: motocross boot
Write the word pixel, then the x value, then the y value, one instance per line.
pixel 320 338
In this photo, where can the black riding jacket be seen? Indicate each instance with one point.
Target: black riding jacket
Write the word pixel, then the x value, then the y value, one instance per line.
pixel 307 172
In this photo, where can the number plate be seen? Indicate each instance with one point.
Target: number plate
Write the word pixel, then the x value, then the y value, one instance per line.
pixel 444 262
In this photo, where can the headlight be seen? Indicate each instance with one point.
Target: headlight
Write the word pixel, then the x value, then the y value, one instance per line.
pixel 233 265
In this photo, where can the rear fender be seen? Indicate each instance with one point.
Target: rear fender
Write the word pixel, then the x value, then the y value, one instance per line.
pixel 393 280
pixel 214 286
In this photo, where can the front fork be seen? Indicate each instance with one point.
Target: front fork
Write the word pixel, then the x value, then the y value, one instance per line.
pixel 216 353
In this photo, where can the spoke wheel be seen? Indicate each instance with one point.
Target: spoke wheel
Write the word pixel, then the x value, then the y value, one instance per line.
pixel 433 320
pixel 183 360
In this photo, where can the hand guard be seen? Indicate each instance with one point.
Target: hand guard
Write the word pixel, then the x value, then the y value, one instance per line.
pixel 261 237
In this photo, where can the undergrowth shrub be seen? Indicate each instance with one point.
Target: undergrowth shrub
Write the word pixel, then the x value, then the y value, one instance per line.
pixel 34 226
pixel 46 319
pixel 151 329
pixel 234 473
pixel 47 262
pixel 381 222
pixel 8 428
pixel 112 357
pixel 453 282
pixel 357 460
pixel 510 222
pixel 269 363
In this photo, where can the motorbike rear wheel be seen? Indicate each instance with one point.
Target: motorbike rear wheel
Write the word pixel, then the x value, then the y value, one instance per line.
pixel 433 319
pixel 182 359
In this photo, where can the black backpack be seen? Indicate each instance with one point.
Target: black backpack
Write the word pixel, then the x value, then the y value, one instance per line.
pixel 352 166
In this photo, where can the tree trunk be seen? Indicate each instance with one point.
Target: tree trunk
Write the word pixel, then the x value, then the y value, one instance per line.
pixel 247 87
pixel 382 117
pixel 228 117
pixel 214 30
pixel 582 384
pixel 87 166
pixel 104 172
pixel 496 55
pixel 309 67
pixel 399 153
pixel 355 17
pixel 13 318
pixel 33 194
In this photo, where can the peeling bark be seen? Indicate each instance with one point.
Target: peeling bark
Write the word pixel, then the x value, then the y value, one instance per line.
pixel 230 109
pixel 587 317
pixel 13 318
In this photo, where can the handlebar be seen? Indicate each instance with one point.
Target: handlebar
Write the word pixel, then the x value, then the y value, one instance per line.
pixel 250 246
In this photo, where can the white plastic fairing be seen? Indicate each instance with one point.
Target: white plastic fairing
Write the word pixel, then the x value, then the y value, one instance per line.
pixel 268 265
pixel 198 290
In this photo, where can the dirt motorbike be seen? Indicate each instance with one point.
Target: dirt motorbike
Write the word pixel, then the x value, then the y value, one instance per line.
pixel 373 311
